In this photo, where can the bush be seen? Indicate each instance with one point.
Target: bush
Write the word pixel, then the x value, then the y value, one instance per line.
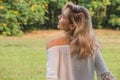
pixel 21 15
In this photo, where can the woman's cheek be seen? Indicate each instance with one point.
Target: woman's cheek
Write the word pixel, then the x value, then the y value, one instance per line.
pixel 62 24
pixel 60 27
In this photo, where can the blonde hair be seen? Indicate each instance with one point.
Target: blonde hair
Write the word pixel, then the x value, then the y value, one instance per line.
pixel 84 43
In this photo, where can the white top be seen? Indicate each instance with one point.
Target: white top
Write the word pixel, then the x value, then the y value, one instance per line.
pixel 61 66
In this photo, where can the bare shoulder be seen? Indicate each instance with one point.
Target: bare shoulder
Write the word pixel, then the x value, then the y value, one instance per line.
pixel 57 42
pixel 51 43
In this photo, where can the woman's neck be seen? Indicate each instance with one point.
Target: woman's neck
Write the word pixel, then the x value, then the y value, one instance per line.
pixel 70 38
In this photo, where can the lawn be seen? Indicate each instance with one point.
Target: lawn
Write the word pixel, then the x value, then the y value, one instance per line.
pixel 24 58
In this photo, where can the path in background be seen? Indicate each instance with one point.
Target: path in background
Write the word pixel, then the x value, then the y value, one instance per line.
pixel 52 33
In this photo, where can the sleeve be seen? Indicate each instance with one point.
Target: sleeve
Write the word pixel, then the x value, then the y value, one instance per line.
pixel 101 69
pixel 52 64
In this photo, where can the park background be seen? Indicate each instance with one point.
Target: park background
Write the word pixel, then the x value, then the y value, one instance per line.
pixel 27 25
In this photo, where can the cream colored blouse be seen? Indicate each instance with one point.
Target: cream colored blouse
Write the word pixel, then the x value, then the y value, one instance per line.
pixel 60 65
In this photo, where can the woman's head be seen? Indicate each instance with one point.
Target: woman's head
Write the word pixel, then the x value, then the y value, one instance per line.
pixel 74 18
pixel 76 22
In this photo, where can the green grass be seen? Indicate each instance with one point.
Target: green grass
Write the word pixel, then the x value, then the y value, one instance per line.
pixel 25 58
pixel 111 52
pixel 22 59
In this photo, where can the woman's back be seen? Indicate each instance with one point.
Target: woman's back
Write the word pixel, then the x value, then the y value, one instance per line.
pixel 63 67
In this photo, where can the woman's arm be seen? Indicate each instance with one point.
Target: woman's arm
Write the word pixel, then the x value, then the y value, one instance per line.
pixel 52 64
pixel 101 69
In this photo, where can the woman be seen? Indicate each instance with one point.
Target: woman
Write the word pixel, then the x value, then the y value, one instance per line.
pixel 76 55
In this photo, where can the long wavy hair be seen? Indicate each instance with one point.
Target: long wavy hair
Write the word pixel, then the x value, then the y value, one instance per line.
pixel 83 42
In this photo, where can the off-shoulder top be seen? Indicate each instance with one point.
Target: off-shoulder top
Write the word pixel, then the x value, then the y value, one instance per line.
pixel 60 65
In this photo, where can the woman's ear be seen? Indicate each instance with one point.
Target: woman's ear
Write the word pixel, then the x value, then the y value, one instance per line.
pixel 72 27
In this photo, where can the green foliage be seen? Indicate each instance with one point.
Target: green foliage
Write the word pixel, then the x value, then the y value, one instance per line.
pixel 19 15
pixel 97 10
pixel 114 20
pixel 113 14
pixel 101 12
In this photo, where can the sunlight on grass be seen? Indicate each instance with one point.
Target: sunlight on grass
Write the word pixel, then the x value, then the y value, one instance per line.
pixel 25 58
